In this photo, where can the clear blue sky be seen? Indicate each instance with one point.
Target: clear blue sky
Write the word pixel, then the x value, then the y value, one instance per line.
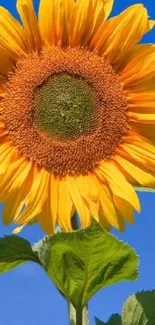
pixel 27 297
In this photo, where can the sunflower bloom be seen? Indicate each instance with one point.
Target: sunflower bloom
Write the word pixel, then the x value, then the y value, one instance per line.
pixel 77 121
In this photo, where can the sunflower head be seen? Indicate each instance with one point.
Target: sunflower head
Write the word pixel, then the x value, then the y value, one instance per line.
pixel 77 113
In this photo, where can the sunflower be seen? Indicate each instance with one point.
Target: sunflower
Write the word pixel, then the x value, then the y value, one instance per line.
pixel 77 113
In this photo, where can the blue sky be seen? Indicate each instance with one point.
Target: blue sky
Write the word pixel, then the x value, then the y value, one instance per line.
pixel 28 297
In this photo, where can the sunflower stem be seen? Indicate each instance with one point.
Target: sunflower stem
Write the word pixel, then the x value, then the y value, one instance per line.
pixel 78 316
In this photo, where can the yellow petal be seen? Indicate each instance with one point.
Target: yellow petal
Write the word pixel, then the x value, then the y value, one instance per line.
pixel 7 152
pixel 14 177
pixel 30 23
pixel 83 11
pixel 146 130
pixel 54 183
pixel 141 142
pixel 88 187
pixel 80 205
pixel 136 55
pixel 118 184
pixel 16 200
pixel 141 98
pixel 7 48
pixel 139 67
pixel 45 220
pixel 126 152
pixel 108 208
pixel 117 35
pixel 148 118
pixel 102 220
pixel 141 176
pixel 142 102
pixel 48 216
pixel 86 19
pixel 89 190
pixel 94 208
pixel 150 25
pixel 142 152
pixel 125 209
pixel 142 85
pixel 141 158
pixel 142 108
pixel 36 198
pixel 55 18
pixel 108 5
pixel 65 206
pixel 18 229
pixel 100 9
pixel 12 32
pixel 47 20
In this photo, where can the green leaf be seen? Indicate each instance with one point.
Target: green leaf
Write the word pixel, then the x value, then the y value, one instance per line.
pixel 115 319
pixel 144 189
pixel 14 251
pixel 82 262
pixel 98 322
pixel 139 309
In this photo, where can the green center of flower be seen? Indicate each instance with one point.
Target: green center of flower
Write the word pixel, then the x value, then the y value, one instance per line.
pixel 65 107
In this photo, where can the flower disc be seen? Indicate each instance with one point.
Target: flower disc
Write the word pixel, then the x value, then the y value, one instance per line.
pixel 73 111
